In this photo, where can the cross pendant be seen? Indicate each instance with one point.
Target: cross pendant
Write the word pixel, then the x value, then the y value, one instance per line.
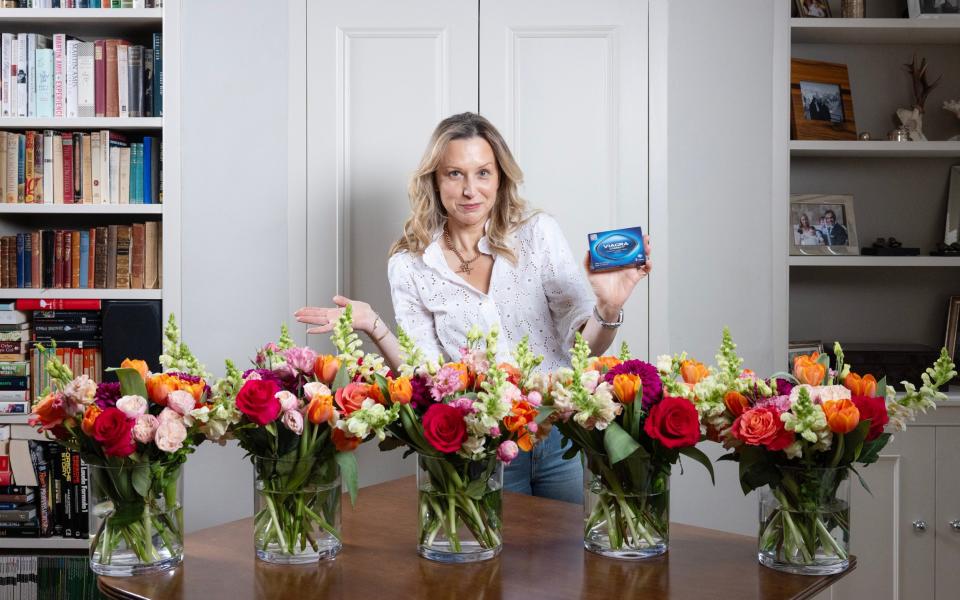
pixel 464 268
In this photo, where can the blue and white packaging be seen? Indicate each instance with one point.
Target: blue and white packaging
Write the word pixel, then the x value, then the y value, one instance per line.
pixel 616 249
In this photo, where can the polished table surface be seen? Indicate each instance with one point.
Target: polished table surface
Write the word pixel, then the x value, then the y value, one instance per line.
pixel 542 557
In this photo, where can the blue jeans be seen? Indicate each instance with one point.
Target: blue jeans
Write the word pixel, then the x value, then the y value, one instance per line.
pixel 544 472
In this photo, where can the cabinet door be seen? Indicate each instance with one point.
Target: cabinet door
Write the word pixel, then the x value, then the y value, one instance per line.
pixel 895 561
pixel 948 513
pixel 381 75
pixel 566 84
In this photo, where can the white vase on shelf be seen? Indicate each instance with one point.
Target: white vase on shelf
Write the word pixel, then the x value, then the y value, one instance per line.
pixel 912 120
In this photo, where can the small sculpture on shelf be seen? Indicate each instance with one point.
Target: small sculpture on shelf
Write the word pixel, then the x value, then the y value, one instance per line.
pixel 944 249
pixel 912 118
pixel 954 107
pixel 890 246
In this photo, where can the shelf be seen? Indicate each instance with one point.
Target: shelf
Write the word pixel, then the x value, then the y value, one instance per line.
pixel 875 149
pixel 876 31
pixel 874 261
pixel 102 294
pixel 16 419
pixel 50 543
pixel 81 123
pixel 81 20
pixel 81 209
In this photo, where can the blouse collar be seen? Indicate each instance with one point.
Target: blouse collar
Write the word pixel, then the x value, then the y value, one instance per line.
pixel 433 254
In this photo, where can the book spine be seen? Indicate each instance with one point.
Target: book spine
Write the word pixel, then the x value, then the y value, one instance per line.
pixel 67 141
pixel 6 45
pixel 112 104
pixel 100 77
pixel 157 74
pixel 146 196
pixel 57 169
pixel 84 517
pixel 86 87
pixel 65 472
pixel 22 66
pixel 58 260
pixel 123 79
pixel 78 168
pixel 21 168
pixel 67 261
pixel 135 80
pixel 87 169
pixel 95 162
pixel 31 75
pixel 72 81
pixel 48 179
pixel 84 258
pixel 28 167
pixel 100 259
pixel 13 148
pixel 27 260
pixel 59 74
pixel 75 259
pixel 41 465
pixel 20 268
pixel 57 479
pixel 75 499
pixel 148 82
pixel 45 83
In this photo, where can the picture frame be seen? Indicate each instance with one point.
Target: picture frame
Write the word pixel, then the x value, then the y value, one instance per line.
pixel 821 101
pixel 817 9
pixel 933 9
pixel 823 225
pixel 953 324
pixel 800 348
pixel 951 233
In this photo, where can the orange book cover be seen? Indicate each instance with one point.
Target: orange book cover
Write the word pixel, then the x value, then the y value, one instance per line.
pixel 75 260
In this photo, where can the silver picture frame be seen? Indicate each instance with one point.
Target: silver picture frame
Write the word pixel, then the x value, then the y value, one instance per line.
pixel 933 9
pixel 817 235
pixel 951 233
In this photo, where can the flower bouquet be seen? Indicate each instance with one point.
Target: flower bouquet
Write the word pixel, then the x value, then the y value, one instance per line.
pixel 297 415
pixel 615 412
pixel 798 436
pixel 135 436
pixel 465 420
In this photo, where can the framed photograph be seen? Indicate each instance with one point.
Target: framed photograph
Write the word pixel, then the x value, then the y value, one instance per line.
pixel 933 8
pixel 813 8
pixel 953 323
pixel 952 233
pixel 821 103
pixel 822 224
pixel 796 349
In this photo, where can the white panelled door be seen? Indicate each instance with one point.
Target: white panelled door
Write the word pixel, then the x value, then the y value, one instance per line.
pixel 566 84
pixel 381 75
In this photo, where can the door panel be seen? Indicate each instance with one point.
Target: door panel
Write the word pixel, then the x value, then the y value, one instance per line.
pixel 948 512
pixel 566 84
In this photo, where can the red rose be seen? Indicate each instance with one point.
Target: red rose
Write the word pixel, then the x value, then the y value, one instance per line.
pixel 762 427
pixel 444 427
pixel 115 432
pixel 874 409
pixel 674 423
pixel 257 399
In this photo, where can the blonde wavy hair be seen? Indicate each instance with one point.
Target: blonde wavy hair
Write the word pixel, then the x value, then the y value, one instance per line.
pixel 427 215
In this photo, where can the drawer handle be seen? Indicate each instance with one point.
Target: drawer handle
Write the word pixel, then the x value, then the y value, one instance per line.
pixel 920 525
pixel 955 524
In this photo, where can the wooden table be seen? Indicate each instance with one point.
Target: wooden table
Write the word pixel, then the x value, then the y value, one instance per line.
pixel 542 557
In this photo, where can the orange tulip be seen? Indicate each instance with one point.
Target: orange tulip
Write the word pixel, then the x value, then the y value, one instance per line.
pixel 842 415
pixel 693 371
pixel 139 365
pixel 522 414
pixel 160 385
pixel 49 412
pixel 89 416
pixel 807 370
pixel 320 410
pixel 626 386
pixel 861 386
pixel 374 391
pixel 325 368
pixel 525 441
pixel 736 402
pixel 343 442
pixel 400 390
pixel 513 373
pixel 604 363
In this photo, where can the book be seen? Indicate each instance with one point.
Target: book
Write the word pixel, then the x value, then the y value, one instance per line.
pixel 3 166
pixel 44 83
pixel 123 79
pixel 86 90
pixel 21 167
pixel 20 269
pixel 112 103
pixel 114 175
pixel 84 259
pixel 58 304
pixel 67 260
pixel 95 162
pixel 15 402
pixel 87 169
pixel 35 43
pixel 124 176
pixel 100 77
pixel 78 168
pixel 35 270
pixel 57 169
pixel 48 241
pixel 72 81
pixel 13 382
pixel 91 258
pixel 158 74
pixel 49 189
pixel 6 45
pixel 137 255
pixel 68 176
pixel 111 257
pixel 28 168
pixel 150 266
pixel 100 259
pixel 59 75
pixel 148 82
pixel 135 80
pixel 13 150
pixel 21 369
pixel 22 66
pixel 123 256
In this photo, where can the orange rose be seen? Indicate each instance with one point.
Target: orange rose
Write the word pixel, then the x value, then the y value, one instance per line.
pixel 861 386
pixel 93 411
pixel 807 370
pixel 693 371
pixel 525 441
pixel 138 365
pixel 842 415
pixel 326 367
pixel 343 442
pixel 400 390
pixel 320 410
pixel 49 412
pixel 350 397
pixel 159 387
pixel 604 363
pixel 626 386
pixel 736 402
pixel 513 373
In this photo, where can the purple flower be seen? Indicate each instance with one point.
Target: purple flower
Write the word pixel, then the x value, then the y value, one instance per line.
pixel 420 398
pixel 649 377
pixel 783 387
pixel 779 403
pixel 107 394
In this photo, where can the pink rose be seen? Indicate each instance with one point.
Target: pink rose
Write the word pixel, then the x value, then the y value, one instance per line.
pixel 293 420
pixel 534 398
pixel 170 436
pixel 301 359
pixel 508 451
pixel 181 402
pixel 287 400
pixel 145 427
pixel 133 406
pixel 316 388
pixel 168 414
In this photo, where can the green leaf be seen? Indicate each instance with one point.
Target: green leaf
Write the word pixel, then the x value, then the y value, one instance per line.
pixel 390 443
pixel 698 455
pixel 871 450
pixel 543 413
pixel 863 482
pixel 853 442
pixel 131 382
pixel 618 443
pixel 341 379
pixel 140 478
pixel 732 457
pixel 756 469
pixel 349 473
pixel 882 388
pixel 824 359
pixel 382 384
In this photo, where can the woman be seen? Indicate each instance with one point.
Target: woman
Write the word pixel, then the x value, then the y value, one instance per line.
pixel 806 234
pixel 473 253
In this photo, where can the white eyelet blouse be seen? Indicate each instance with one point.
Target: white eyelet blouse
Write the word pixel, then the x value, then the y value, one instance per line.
pixel 545 296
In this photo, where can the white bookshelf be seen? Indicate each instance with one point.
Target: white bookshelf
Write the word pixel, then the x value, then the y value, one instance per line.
pixel 87 24
pixel 875 31
pixel 875 261
pixel 874 149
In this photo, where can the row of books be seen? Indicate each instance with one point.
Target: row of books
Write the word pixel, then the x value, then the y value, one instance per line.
pixel 100 167
pixel 107 257
pixel 82 3
pixel 53 500
pixel 60 76
pixel 44 577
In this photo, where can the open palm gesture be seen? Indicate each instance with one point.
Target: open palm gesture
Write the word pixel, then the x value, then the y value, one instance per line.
pixel 613 288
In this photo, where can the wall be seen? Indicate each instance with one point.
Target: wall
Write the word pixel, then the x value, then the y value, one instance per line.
pixel 719 210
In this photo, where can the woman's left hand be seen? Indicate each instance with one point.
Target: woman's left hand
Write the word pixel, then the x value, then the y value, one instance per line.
pixel 613 288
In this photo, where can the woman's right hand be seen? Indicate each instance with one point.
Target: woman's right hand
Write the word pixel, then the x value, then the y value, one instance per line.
pixel 324 318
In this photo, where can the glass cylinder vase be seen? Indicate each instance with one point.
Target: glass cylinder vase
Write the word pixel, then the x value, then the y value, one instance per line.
pixel 136 516
pixel 626 511
pixel 460 509
pixel 805 522
pixel 297 510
